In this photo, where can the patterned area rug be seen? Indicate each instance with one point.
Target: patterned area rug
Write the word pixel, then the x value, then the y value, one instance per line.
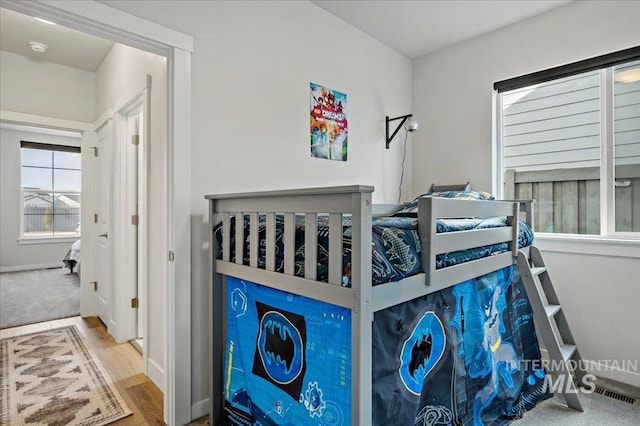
pixel 52 378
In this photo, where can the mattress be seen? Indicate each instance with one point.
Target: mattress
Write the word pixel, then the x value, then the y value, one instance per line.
pixel 395 245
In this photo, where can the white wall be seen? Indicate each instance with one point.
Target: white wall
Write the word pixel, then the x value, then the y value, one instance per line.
pixel 251 69
pixel 47 89
pixel 41 88
pixel 13 255
pixel 121 76
pixel 453 88
pixel 599 296
pixel 453 101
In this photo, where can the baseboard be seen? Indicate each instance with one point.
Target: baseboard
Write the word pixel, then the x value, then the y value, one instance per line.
pixel 611 371
pixel 155 373
pixel 31 267
pixel 199 409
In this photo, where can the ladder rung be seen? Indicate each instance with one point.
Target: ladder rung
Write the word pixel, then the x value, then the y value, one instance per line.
pixel 543 297
pixel 537 270
pixel 551 310
pixel 567 351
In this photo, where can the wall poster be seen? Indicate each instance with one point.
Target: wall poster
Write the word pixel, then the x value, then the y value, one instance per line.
pixel 329 129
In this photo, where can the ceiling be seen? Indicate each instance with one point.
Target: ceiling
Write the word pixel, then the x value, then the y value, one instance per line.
pixel 416 28
pixel 66 46
pixel 411 27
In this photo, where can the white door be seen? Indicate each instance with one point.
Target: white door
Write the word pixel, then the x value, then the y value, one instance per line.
pixel 131 224
pixel 103 195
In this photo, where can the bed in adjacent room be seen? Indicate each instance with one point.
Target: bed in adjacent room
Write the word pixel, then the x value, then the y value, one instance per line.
pixel 72 258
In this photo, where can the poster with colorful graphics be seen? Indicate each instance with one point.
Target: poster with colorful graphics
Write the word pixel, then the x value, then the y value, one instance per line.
pixel 329 129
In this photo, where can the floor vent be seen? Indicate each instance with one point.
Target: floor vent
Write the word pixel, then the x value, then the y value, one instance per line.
pixel 615 395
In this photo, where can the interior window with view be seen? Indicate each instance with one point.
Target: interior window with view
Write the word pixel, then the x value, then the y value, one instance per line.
pixel 51 177
pixel 553 137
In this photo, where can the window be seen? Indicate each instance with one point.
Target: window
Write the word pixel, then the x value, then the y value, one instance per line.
pixel 571 141
pixel 51 179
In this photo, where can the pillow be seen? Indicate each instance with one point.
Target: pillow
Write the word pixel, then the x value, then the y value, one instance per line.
pixel 443 188
pixel 412 207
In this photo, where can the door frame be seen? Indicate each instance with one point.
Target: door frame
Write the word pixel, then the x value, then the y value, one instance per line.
pixel 103 21
pixel 123 229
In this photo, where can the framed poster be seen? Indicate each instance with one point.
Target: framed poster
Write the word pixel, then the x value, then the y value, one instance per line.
pixel 329 128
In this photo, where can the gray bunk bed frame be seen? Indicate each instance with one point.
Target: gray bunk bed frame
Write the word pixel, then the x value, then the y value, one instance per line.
pixel 362 298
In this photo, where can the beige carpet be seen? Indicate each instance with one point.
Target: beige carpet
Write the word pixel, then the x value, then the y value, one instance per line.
pixel 52 378
pixel 28 297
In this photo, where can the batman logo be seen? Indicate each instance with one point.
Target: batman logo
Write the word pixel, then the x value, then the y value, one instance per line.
pixel 421 352
pixel 280 348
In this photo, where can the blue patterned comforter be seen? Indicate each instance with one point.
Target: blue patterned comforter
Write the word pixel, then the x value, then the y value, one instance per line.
pixel 395 245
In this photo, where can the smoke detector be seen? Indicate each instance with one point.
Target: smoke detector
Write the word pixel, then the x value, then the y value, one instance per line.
pixel 36 46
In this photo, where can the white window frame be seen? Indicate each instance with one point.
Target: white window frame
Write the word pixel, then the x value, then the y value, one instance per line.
pixel 607 161
pixel 44 239
pixel 580 242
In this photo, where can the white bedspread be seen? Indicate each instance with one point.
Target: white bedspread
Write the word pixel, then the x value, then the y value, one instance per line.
pixel 73 256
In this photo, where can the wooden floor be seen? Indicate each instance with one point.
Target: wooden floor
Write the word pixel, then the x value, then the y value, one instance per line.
pixel 123 364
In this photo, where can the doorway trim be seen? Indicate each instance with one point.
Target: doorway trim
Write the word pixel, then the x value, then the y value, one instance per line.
pixel 103 21
pixel 124 227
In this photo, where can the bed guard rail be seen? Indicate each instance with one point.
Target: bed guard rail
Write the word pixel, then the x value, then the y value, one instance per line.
pixel 353 200
pixel 433 243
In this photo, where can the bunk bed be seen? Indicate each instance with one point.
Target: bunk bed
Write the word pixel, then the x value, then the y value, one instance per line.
pixel 310 334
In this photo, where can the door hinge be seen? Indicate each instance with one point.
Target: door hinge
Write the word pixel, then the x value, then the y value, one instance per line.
pixel 95 285
pixel 135 220
pixel 95 151
pixel 171 256
pixel 135 302
pixel 135 139
pixel 95 218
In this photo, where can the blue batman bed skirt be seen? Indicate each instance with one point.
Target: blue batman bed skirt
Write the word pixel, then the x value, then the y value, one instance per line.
pixel 462 355
pixel 288 358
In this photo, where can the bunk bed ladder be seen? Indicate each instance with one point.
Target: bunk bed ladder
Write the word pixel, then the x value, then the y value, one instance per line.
pixel 552 326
